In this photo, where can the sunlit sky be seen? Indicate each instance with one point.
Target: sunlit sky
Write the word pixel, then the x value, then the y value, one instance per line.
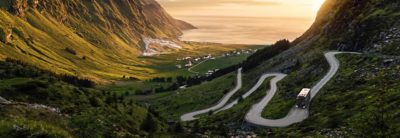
pixel 249 8
pixel 244 21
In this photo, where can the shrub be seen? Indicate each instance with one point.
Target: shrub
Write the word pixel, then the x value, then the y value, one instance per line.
pixel 71 51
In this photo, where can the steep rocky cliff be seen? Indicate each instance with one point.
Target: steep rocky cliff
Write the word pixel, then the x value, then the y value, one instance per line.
pixel 369 26
pixel 84 37
pixel 131 17
pixel 355 24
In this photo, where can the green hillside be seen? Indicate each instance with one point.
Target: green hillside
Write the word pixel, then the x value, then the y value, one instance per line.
pixel 349 106
pixel 80 111
pixel 99 40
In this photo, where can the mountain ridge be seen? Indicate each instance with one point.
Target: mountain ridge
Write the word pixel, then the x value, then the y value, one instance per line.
pixel 88 38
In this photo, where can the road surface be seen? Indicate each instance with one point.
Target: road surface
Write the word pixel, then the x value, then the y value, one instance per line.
pixel 221 103
pixel 295 115
pixel 248 93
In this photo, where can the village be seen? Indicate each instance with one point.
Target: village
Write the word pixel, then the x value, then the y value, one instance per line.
pixel 191 62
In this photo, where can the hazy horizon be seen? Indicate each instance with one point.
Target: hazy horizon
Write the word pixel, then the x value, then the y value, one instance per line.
pixel 247 8
pixel 244 21
pixel 244 30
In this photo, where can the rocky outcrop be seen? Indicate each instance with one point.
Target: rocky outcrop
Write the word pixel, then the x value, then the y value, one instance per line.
pixel 4 101
pixel 5 35
pixel 184 25
pixel 158 46
pixel 34 3
pixel 29 105
pixel 352 24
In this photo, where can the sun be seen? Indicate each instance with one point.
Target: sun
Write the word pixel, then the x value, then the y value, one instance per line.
pixel 317 4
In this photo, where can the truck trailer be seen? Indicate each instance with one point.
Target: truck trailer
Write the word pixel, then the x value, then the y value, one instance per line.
pixel 303 99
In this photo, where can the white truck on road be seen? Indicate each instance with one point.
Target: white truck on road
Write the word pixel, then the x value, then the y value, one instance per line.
pixel 303 99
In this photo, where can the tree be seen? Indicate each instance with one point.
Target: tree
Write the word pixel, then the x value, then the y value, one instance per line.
pixel 150 124
pixel 196 127
pixel 265 54
pixel 226 91
pixel 178 128
pixel 127 93
pixel 240 99
pixel 95 102
pixel 211 112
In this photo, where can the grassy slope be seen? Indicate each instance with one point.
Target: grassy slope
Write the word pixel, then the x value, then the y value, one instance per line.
pixel 41 37
pixel 45 47
pixel 85 112
pixel 132 86
pixel 196 97
pixel 219 63
pixel 233 118
pixel 218 124
pixel 165 65
pixel 348 105
pixel 307 76
pixel 305 65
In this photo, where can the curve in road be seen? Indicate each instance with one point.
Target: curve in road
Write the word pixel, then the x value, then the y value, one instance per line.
pixel 295 115
pixel 220 104
pixel 248 93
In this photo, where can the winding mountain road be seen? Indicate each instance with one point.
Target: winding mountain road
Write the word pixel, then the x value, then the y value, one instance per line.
pixel 254 115
pixel 221 103
pixel 248 93
pixel 295 115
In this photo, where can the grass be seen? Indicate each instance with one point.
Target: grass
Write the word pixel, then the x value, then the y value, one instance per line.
pixel 305 77
pixel 233 118
pixel 219 63
pixel 348 107
pixel 9 82
pixel 85 112
pixel 27 128
pixel 193 98
pixel 40 39
pixel 131 87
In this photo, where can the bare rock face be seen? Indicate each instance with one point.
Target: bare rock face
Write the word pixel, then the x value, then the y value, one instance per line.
pixel 6 35
pixel 34 3
pixel 19 7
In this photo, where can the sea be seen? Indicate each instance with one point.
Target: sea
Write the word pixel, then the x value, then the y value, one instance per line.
pixel 244 30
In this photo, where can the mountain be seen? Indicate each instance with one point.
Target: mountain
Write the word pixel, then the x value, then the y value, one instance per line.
pixel 355 25
pixel 359 101
pixel 89 38
pixel 370 26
